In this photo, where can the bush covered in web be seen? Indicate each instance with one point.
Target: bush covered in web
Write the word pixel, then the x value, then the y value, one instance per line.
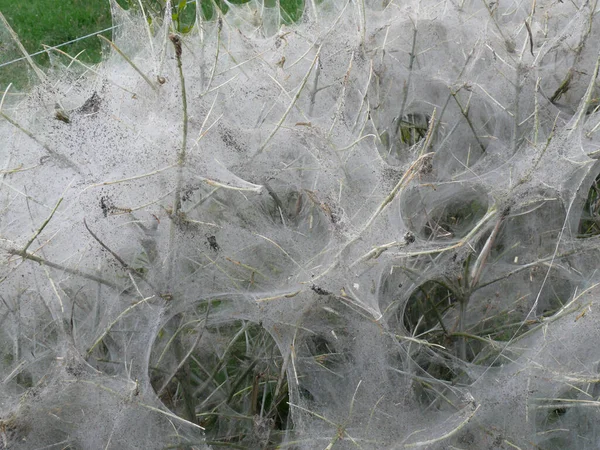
pixel 376 227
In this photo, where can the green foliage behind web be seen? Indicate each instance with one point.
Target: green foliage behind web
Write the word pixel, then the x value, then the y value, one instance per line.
pixel 51 23
pixel 183 12
pixel 590 221
pixel 48 22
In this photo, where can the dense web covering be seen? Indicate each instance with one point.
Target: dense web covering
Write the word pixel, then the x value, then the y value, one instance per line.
pixel 375 228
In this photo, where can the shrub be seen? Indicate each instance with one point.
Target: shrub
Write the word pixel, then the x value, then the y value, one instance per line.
pixel 372 227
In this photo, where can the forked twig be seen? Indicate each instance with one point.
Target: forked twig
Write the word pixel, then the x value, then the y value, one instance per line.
pixel 45 262
pixel 125 266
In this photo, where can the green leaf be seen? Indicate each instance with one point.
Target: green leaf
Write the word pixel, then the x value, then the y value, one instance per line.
pixel 291 10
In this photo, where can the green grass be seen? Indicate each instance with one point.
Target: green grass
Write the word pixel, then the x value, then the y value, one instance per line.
pixel 51 22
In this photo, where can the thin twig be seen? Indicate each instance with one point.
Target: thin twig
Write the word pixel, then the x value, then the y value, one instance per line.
pixel 184 359
pixel 125 266
pixel 181 158
pixel 15 37
pixel 135 177
pixel 586 101
pixel 50 151
pixel 105 247
pixel 406 83
pixel 292 103
pixel 39 260
pixel 41 228
pixel 129 61
pixel 465 113
pixel 112 324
